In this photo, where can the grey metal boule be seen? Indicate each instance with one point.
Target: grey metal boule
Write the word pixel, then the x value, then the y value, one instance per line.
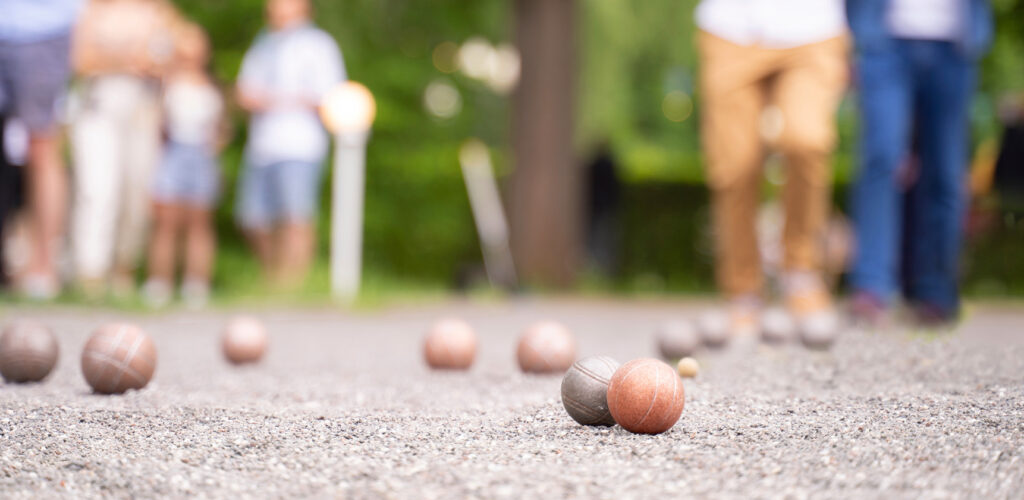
pixel 677 339
pixel 585 390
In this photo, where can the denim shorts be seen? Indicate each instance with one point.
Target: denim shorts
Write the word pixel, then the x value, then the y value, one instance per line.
pixel 32 78
pixel 187 174
pixel 270 194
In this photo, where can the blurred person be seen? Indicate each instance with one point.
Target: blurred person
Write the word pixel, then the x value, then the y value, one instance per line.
pixel 916 64
pixel 787 56
pixel 186 182
pixel 34 69
pixel 120 50
pixel 284 76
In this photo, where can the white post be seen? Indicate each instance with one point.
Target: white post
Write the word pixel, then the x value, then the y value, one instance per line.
pixel 347 195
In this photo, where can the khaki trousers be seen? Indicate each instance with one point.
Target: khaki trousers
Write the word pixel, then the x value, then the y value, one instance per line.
pixel 805 84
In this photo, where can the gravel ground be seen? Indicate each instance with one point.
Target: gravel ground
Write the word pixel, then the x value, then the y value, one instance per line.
pixel 343 406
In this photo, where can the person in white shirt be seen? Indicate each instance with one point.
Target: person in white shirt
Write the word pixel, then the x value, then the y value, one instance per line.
pixel 790 57
pixel 186 183
pixel 284 76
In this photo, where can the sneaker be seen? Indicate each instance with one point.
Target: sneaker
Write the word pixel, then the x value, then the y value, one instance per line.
pixel 740 318
pixel 806 295
pixel 935 317
pixel 869 310
pixel 195 293
pixel 40 287
pixel 156 293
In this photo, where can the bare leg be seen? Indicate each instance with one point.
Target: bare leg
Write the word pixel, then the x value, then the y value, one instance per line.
pixel 167 220
pixel 296 240
pixel 200 242
pixel 262 242
pixel 47 195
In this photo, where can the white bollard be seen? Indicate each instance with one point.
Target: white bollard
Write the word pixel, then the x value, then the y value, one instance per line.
pixel 348 111
pixel 347 196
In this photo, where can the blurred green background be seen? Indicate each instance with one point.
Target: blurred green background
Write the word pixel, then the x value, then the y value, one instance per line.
pixel 636 90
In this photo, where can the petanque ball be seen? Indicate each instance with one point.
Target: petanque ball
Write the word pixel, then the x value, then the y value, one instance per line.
pixel 645 396
pixel 546 347
pixel 118 357
pixel 244 340
pixel 677 339
pixel 28 352
pixel 585 390
pixel 450 345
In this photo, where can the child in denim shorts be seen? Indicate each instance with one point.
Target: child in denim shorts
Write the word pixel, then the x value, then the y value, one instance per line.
pixel 187 182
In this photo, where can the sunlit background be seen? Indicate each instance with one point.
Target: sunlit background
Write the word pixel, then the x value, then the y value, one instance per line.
pixel 445 71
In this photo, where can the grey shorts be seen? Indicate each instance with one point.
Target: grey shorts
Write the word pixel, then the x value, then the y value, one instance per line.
pixel 32 78
pixel 187 174
pixel 280 192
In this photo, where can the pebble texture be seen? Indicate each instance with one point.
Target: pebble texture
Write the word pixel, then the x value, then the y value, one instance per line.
pixel 343 407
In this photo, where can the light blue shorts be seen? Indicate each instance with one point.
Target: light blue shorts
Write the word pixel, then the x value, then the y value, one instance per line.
pixel 187 174
pixel 287 191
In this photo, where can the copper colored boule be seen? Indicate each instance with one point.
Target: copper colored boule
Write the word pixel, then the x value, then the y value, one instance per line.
pixel 546 347
pixel 244 340
pixel 28 352
pixel 450 345
pixel 118 357
pixel 645 396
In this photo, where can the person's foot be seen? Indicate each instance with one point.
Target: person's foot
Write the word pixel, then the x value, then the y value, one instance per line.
pixel 156 293
pixel 40 287
pixel 932 316
pixel 122 285
pixel 867 309
pixel 805 295
pixel 195 293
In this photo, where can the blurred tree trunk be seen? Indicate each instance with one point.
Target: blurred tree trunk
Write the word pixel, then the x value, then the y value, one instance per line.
pixel 545 185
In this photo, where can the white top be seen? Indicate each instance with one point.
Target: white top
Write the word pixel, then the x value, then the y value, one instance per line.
pixel 925 19
pixel 776 24
pixel 295 67
pixel 193 112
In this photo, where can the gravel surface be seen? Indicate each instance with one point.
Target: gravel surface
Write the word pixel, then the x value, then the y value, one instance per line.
pixel 343 406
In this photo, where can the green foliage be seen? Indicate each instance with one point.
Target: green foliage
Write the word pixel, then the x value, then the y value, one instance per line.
pixel 631 54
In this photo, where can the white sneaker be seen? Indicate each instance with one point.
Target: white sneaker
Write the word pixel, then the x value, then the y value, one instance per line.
pixel 40 287
pixel 156 293
pixel 195 293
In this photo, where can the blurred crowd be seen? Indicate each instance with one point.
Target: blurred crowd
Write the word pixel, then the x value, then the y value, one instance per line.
pixel 146 121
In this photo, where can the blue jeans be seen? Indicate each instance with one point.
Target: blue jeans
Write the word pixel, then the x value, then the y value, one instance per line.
pixel 919 89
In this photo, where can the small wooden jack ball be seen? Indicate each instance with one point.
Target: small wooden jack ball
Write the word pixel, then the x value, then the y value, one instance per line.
pixel 645 396
pixel 546 347
pixel 585 390
pixel 118 357
pixel 450 345
pixel 244 340
pixel 677 339
pixel 28 352
pixel 688 367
